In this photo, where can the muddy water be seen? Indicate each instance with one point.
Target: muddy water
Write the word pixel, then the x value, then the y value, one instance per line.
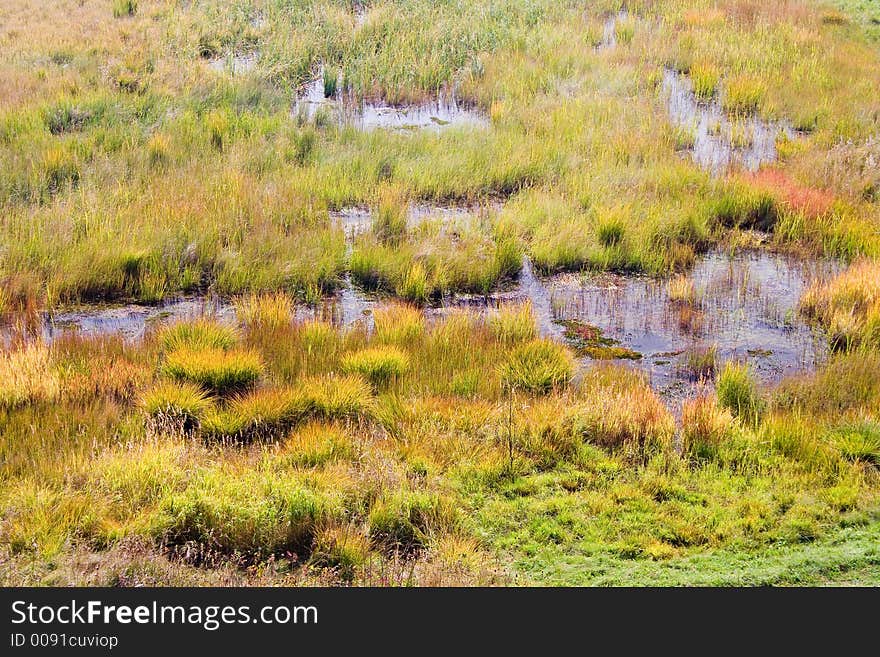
pixel 444 111
pixel 719 141
pixel 746 307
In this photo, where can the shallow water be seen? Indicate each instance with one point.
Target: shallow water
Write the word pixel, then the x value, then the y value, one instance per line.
pixel 234 63
pixel 444 111
pixel 356 220
pixel 746 307
pixel 720 142
pixel 609 29
pixel 131 321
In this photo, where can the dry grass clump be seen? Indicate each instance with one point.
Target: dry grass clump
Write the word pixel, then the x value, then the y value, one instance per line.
pixel 250 512
pixel 622 412
pixel 706 78
pixel 513 323
pixel 269 311
pixel 701 361
pixel 407 521
pixel 268 413
pixel 743 94
pixel 848 305
pixel 339 397
pixel 200 333
pixel 390 214
pixel 27 376
pixel 259 415
pixel 342 549
pixel 398 323
pixel 705 426
pixel 681 290
pixel 315 444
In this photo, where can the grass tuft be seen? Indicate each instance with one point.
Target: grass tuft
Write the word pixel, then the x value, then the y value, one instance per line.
pixel 539 367
pixel 219 371
pixel 705 426
pixel 406 522
pixel 513 324
pixel 175 407
pixel 399 324
pixel 379 365
pixel 738 392
pixel 269 311
pixel 197 334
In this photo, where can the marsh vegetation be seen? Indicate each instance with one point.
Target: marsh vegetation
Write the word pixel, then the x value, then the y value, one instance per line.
pixel 438 292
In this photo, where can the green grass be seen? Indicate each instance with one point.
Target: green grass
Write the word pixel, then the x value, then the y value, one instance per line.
pixel 848 557
pixel 738 392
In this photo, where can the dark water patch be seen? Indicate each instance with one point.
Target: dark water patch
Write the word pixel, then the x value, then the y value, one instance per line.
pixel 719 141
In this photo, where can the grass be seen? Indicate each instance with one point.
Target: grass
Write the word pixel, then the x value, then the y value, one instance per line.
pixel 197 334
pixel 743 94
pixel 175 407
pixel 266 311
pixel 859 441
pixel 379 365
pixel 701 361
pixel 251 515
pixel 706 79
pixel 681 290
pixel 215 370
pixel 738 392
pixel 406 522
pixel 706 426
pixel 124 8
pixel 454 466
pixel 513 324
pixel 847 306
pixel 27 377
pixel 538 366
pixel 398 324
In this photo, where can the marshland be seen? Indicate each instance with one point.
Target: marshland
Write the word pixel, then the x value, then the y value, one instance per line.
pixel 407 292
